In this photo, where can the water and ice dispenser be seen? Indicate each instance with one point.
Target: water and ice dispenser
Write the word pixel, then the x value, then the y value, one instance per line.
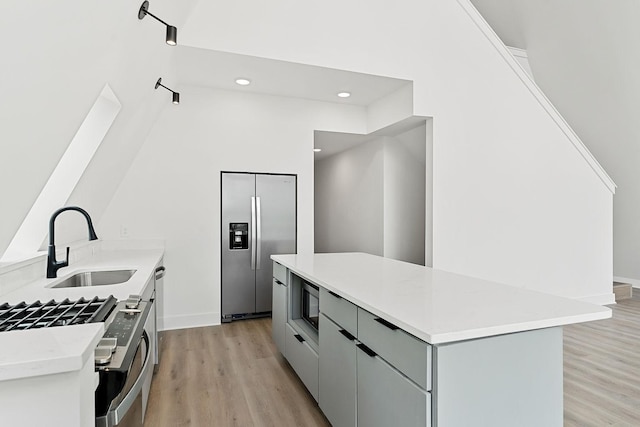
pixel 238 235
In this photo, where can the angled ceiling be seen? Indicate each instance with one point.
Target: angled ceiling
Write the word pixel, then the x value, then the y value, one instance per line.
pixel 504 17
pixel 209 68
pixel 335 142
pixel 219 70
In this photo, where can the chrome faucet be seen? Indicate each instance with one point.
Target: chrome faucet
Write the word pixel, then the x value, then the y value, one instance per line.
pixel 52 265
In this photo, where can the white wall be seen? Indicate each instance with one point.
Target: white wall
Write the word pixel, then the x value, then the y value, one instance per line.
pixel 57 59
pixel 172 189
pixel 405 174
pixel 390 109
pixel 585 56
pixel 349 200
pixel 514 199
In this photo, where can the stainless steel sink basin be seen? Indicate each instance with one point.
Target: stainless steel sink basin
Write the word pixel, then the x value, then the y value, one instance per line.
pixel 96 278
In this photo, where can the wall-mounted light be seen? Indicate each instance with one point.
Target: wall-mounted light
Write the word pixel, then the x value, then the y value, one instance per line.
pixel 344 94
pixel 172 32
pixel 243 82
pixel 317 150
pixel 176 95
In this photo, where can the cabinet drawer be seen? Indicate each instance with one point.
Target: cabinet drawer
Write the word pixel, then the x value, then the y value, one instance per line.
pixel 279 315
pixel 403 351
pixel 337 372
pixel 387 398
pixel 339 310
pixel 280 273
pixel 303 360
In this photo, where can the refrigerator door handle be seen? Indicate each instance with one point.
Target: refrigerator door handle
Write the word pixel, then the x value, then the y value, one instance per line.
pixel 258 234
pixel 253 233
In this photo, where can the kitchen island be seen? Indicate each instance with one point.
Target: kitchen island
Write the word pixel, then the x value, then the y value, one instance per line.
pixel 409 345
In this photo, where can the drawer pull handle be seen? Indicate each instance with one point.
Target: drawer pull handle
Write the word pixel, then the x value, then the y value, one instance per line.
pixel 347 335
pixel 335 295
pixel 278 282
pixel 386 323
pixel 366 349
pixel 299 337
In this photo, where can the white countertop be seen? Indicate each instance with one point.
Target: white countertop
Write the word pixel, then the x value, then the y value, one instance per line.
pixel 436 306
pixel 143 261
pixel 66 348
pixel 25 354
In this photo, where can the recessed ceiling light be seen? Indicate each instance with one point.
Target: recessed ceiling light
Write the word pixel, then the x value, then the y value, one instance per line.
pixel 317 150
pixel 243 82
pixel 344 94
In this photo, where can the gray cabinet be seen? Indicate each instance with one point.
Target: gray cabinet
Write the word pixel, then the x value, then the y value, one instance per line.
pixel 279 314
pixel 303 359
pixel 280 273
pixel 360 383
pixel 299 352
pixel 386 397
pixel 366 371
pixel 337 388
pixel 403 351
pixel 338 309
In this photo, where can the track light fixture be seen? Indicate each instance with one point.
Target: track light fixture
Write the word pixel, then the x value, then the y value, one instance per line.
pixel 176 95
pixel 172 32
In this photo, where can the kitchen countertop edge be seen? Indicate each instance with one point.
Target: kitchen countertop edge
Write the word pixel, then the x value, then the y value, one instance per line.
pixel 47 351
pixel 442 329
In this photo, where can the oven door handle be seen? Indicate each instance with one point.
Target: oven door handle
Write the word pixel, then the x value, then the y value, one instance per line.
pixel 117 414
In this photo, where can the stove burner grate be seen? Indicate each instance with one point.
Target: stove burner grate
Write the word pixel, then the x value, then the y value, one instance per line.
pixel 24 316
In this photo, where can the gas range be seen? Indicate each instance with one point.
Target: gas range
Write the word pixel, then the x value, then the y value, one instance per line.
pixel 123 357
pixel 24 316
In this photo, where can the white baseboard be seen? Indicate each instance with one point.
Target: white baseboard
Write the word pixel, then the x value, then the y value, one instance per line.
pixel 603 299
pixel 633 282
pixel 189 321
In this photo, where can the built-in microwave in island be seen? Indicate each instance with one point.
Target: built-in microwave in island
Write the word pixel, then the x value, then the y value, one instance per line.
pixel 310 304
pixel 305 308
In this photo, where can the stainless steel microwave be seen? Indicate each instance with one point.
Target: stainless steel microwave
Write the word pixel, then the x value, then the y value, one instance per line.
pixel 310 304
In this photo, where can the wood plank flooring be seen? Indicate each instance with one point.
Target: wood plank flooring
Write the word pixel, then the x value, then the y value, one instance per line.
pixel 602 369
pixel 232 375
pixel 228 375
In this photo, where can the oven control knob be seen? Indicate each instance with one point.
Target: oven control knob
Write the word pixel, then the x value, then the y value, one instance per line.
pixel 110 343
pixel 102 355
pixel 133 301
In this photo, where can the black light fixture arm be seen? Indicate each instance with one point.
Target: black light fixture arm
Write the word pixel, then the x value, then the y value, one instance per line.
pixel 160 84
pixel 146 12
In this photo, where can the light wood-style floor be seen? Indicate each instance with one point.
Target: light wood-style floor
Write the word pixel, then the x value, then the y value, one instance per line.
pixel 228 375
pixel 232 375
pixel 602 369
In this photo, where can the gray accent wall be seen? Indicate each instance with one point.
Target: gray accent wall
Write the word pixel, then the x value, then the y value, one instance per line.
pixel 372 198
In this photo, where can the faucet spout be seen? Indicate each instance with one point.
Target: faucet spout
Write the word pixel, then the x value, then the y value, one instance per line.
pixel 52 264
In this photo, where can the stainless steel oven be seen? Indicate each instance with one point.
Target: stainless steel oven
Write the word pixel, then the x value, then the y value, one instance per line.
pixel 124 357
pixel 310 304
pixel 124 361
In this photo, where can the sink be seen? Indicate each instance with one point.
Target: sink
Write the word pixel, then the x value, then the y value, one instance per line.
pixel 96 278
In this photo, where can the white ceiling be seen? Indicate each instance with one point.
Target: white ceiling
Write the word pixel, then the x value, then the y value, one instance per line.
pixel 505 18
pixel 202 67
pixel 335 142
pixel 215 69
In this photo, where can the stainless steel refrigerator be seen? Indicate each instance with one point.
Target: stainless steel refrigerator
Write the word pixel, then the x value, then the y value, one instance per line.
pixel 258 219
